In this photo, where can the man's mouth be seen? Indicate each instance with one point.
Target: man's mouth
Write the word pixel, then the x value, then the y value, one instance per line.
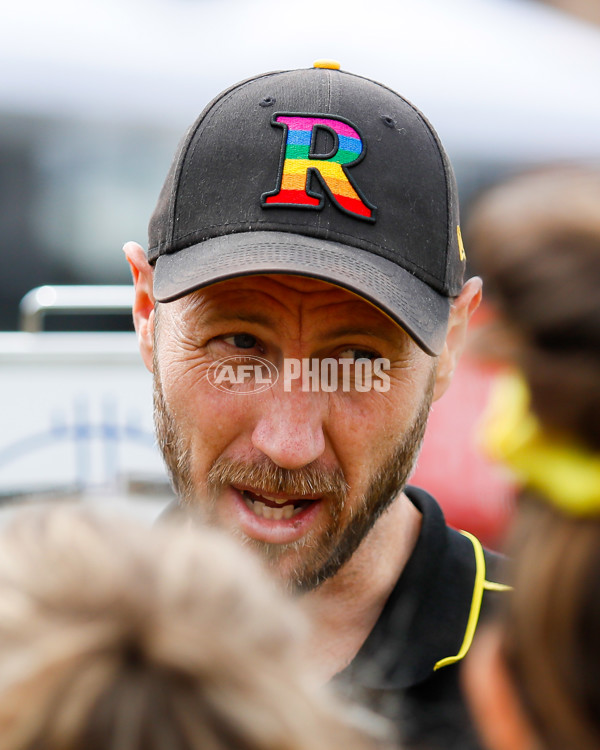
pixel 275 508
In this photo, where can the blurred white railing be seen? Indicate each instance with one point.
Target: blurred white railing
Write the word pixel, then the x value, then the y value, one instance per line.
pixel 75 300
pixel 76 408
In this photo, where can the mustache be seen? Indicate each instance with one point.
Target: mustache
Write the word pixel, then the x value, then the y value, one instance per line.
pixel 266 475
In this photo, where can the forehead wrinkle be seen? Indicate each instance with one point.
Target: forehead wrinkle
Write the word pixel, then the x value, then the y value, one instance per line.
pixel 242 298
pixel 240 316
pixel 262 300
pixel 287 290
pixel 238 302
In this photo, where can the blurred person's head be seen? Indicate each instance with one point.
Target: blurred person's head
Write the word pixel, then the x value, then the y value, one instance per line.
pixel 587 10
pixel 114 636
pixel 533 681
pixel 535 240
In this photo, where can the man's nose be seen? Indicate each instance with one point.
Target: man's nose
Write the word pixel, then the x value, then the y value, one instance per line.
pixel 290 429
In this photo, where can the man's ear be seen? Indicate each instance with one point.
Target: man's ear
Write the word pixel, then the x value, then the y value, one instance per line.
pixel 143 304
pixel 492 697
pixel 460 313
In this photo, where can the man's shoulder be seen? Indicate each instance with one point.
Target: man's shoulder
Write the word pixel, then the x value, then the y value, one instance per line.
pixel 430 618
pixel 412 655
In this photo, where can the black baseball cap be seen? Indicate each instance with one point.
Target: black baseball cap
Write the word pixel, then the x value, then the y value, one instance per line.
pixel 320 173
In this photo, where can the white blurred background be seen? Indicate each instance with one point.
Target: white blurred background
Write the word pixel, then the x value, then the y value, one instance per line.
pixel 95 95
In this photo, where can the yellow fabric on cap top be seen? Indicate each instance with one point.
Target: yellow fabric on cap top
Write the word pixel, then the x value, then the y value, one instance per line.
pixel 330 64
pixel 567 474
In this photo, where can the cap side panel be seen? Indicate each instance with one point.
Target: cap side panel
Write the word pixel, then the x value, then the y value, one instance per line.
pixel 454 280
pixel 452 285
pixel 172 183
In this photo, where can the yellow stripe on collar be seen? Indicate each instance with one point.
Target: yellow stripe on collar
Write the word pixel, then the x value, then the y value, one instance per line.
pixel 480 585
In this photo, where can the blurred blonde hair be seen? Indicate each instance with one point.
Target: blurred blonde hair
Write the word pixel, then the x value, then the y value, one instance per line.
pixel 114 636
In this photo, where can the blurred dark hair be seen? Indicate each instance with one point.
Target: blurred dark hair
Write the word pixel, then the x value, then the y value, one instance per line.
pixel 551 628
pixel 535 240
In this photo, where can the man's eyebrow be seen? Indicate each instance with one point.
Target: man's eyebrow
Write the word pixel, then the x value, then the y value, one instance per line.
pixel 393 337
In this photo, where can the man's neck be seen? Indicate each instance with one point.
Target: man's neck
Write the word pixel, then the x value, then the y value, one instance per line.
pixel 344 609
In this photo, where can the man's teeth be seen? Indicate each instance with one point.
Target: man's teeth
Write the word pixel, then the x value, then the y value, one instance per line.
pixel 265 511
pixel 280 500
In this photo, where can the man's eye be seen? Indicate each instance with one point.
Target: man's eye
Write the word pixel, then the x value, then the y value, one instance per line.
pixel 241 340
pixel 355 354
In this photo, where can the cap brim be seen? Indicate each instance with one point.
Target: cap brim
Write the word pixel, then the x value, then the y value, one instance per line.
pixel 416 307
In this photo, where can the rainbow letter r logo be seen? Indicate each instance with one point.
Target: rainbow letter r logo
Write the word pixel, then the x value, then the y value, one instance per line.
pixel 300 166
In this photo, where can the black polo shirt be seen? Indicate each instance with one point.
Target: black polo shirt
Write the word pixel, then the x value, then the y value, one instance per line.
pixel 408 667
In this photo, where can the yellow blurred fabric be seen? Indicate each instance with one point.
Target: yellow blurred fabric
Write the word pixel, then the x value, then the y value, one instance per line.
pixel 564 472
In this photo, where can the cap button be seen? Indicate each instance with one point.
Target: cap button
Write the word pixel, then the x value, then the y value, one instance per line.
pixel 329 64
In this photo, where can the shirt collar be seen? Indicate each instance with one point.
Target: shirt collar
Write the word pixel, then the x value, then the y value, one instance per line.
pixel 425 617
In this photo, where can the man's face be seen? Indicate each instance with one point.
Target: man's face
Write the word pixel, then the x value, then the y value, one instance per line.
pixel 301 475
